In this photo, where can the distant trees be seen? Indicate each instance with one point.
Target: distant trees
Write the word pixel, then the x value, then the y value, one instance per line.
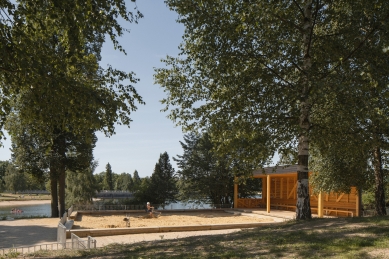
pixel 124 182
pixel 161 187
pixel 81 186
pixel 3 168
pixel 206 176
pixel 136 180
pixel 163 182
pixel 14 179
pixel 108 178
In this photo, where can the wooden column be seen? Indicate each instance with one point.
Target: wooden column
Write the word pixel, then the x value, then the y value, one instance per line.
pixel 358 203
pixel 268 193
pixel 235 193
pixel 320 205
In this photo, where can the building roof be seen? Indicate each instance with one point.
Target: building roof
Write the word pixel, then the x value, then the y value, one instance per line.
pixel 281 169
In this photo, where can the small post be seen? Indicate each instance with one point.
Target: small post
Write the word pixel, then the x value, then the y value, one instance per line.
pixel 235 193
pixel 268 193
pixel 320 205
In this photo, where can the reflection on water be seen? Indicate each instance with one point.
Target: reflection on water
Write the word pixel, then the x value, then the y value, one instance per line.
pixel 44 210
pixel 38 210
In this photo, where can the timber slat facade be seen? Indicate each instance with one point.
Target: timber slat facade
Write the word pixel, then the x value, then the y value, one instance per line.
pixel 279 191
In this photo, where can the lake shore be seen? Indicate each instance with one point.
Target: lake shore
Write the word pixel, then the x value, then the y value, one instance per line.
pixel 24 202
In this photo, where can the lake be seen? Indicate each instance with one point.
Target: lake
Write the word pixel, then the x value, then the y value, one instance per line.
pixel 38 210
pixel 44 210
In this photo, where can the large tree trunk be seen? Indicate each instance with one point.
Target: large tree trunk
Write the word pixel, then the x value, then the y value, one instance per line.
pixel 61 191
pixel 303 207
pixel 379 190
pixel 61 151
pixel 54 193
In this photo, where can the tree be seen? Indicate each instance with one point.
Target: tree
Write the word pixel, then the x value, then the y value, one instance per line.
pixel 42 155
pixel 144 192
pixel 99 179
pixel 136 180
pixel 124 182
pixel 81 186
pixel 77 96
pixel 204 175
pixel 14 179
pixel 255 72
pixel 3 169
pixel 358 151
pixel 108 181
pixel 163 182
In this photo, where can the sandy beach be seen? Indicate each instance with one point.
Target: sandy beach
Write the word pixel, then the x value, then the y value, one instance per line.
pixel 25 202
pixel 30 232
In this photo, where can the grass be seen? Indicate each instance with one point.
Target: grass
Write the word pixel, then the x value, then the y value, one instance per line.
pixel 316 238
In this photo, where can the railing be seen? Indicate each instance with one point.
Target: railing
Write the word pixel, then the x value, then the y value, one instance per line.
pixel 75 243
pixel 79 243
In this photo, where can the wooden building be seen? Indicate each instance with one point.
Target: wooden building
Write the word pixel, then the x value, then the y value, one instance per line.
pixel 279 191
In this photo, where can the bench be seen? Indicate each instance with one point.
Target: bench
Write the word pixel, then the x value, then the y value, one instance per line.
pixel 337 210
pixel 286 206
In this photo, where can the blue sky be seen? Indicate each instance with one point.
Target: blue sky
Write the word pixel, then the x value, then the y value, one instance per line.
pixel 151 133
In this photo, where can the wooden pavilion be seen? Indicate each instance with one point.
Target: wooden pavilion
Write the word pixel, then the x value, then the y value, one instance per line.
pixel 279 192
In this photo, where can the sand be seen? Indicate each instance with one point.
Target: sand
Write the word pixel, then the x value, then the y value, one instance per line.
pixel 166 219
pixel 29 232
pixel 25 202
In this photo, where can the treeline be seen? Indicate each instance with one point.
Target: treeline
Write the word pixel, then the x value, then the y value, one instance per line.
pixel 203 176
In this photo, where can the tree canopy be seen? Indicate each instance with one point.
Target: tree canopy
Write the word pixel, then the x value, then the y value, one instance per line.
pixel 258 74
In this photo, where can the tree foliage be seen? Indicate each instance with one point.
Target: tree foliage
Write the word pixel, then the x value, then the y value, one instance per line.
pixel 204 176
pixel 15 180
pixel 163 182
pixel 81 186
pixel 55 82
pixel 124 182
pixel 257 74
pixel 108 178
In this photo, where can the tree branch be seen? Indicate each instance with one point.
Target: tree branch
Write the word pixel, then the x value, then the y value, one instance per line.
pixel 299 7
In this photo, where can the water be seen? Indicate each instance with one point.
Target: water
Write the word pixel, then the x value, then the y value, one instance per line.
pixel 44 210
pixel 37 210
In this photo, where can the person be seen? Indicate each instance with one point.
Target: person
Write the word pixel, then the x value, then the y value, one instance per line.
pixel 150 210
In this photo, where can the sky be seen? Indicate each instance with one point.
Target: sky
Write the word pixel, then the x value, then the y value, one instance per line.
pixel 151 132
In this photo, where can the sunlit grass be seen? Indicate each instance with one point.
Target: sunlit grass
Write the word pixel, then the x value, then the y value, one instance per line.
pixel 317 238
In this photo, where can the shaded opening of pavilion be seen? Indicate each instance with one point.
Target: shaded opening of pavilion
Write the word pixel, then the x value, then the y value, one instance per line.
pixel 279 191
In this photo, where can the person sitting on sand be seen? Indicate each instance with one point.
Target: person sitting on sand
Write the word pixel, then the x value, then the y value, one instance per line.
pixel 151 211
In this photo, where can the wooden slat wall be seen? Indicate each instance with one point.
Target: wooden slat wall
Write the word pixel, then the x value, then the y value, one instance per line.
pixel 283 196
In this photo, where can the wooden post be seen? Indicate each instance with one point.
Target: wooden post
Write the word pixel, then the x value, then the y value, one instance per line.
pixel 320 205
pixel 358 203
pixel 235 193
pixel 268 193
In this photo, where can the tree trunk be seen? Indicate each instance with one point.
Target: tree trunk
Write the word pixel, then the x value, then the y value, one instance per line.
pixel 61 151
pixel 303 206
pixel 54 193
pixel 379 190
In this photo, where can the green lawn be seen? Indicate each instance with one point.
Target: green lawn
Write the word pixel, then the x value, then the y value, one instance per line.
pixel 317 238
